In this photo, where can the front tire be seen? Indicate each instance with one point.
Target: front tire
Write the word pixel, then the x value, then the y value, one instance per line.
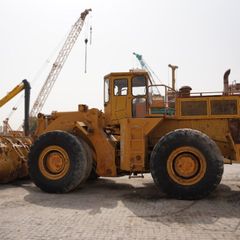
pixel 186 164
pixel 93 175
pixel 58 162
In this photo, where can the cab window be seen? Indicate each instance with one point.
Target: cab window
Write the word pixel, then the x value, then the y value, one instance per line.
pixel 139 86
pixel 106 90
pixel 120 87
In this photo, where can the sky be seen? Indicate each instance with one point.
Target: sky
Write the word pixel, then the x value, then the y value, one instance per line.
pixel 200 37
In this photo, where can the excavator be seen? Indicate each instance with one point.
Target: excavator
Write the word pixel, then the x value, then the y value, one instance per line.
pixel 14 146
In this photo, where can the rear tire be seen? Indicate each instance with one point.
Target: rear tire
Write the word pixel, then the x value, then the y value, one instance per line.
pixel 186 164
pixel 58 162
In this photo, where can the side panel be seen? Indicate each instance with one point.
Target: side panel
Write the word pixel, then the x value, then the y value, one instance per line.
pixel 214 107
pixel 134 142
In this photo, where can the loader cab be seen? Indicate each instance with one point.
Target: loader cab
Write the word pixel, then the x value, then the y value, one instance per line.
pixel 132 95
pixel 125 95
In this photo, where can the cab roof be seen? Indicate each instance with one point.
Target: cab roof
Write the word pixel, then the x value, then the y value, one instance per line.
pixel 130 73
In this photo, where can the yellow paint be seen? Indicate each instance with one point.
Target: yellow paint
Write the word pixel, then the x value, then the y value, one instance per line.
pixel 134 144
pixel 12 94
pixel 207 99
pixel 120 107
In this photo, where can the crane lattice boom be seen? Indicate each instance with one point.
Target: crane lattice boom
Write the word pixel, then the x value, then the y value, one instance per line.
pixel 58 64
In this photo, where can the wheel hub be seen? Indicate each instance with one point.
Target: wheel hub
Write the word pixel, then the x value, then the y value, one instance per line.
pixel 54 162
pixel 186 165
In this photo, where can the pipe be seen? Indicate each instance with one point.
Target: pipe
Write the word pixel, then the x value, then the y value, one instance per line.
pixel 226 82
pixel 173 75
pixel 27 88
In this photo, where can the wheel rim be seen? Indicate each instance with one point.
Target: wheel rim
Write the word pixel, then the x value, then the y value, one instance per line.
pixel 186 165
pixel 54 162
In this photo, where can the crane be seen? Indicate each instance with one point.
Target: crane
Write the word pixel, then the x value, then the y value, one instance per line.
pixel 58 64
pixel 145 66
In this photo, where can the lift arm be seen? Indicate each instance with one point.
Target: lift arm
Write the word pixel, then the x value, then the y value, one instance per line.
pixel 13 93
pixel 24 85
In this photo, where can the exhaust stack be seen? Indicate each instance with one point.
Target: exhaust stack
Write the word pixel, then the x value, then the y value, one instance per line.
pixel 226 82
pixel 173 68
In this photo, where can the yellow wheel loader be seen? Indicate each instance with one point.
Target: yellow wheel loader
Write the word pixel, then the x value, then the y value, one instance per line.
pixel 180 137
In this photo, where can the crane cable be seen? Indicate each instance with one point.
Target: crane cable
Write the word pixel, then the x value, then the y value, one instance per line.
pixel 155 75
pixel 87 23
pixel 36 77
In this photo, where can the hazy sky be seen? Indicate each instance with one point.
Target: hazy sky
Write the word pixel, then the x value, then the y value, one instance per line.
pixel 201 37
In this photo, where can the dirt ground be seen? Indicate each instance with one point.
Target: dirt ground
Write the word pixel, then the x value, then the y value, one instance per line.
pixel 119 208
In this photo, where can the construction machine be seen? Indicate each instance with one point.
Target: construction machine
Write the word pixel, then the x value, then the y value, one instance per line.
pixel 58 64
pixel 147 68
pixel 14 145
pixel 181 138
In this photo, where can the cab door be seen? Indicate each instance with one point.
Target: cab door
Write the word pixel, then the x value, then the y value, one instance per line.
pixel 120 98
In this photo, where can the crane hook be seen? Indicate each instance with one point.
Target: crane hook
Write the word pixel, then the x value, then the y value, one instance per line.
pixel 86 41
